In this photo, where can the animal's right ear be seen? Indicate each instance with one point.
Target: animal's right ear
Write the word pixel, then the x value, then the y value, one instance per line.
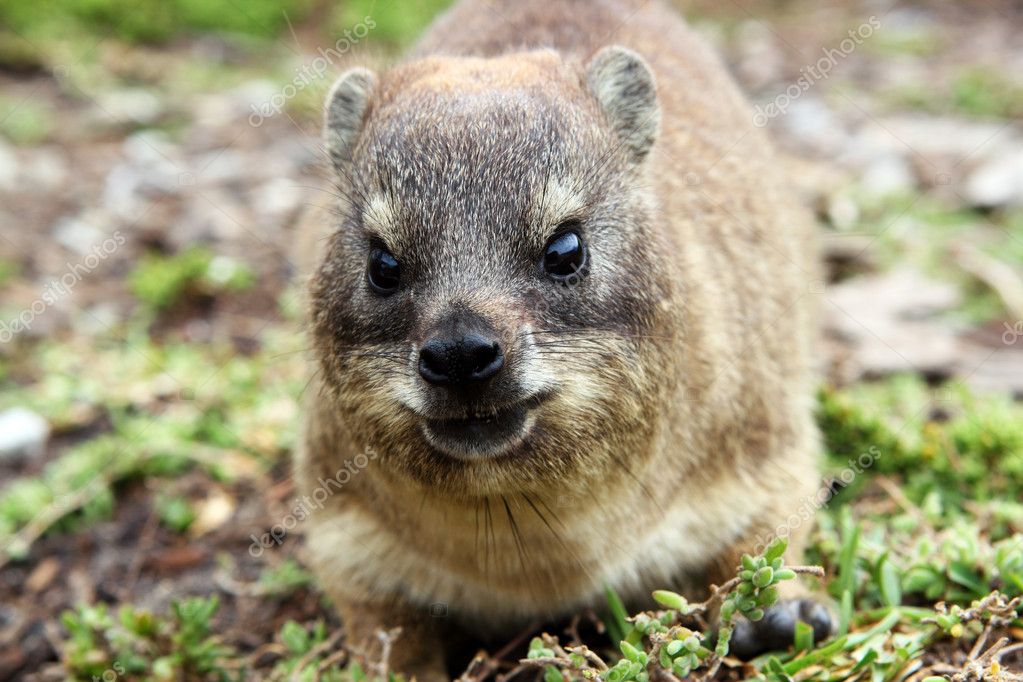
pixel 344 111
pixel 624 86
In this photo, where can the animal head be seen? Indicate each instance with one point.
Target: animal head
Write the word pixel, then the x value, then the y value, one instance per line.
pixel 485 307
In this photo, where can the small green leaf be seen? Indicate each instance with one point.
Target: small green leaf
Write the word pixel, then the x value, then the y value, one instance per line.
pixel 295 637
pixel 890 582
pixel 965 575
pixel 768 596
pixel 776 549
pixel 671 600
pixel 845 612
pixel 803 636
pixel 724 636
pixel 617 625
pixel 763 576
pixel 631 653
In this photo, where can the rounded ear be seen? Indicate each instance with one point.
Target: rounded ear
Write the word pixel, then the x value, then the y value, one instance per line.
pixel 343 113
pixel 624 86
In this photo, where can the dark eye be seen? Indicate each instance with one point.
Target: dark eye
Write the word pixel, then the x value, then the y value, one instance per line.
pixel 382 271
pixel 564 256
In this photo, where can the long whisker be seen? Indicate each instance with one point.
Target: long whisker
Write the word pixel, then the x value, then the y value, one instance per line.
pixel 291 352
pixel 489 537
pixel 642 486
pixel 557 536
pixel 519 546
pixel 309 383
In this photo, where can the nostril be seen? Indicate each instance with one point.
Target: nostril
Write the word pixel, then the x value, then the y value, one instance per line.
pixel 469 359
pixel 434 361
pixel 486 359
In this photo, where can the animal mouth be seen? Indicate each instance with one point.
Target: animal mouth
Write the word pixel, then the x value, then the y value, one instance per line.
pixel 484 432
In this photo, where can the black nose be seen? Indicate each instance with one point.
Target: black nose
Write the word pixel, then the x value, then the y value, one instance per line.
pixel 460 362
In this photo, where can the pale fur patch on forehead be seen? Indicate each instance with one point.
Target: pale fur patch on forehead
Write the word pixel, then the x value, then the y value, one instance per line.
pixel 560 200
pixel 379 217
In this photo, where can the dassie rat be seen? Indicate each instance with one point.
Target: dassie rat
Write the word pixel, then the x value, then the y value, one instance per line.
pixel 566 297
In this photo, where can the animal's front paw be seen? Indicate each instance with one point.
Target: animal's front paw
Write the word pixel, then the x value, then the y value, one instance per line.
pixel 776 629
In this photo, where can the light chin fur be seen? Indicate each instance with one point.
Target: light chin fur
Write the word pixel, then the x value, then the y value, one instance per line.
pixel 473 451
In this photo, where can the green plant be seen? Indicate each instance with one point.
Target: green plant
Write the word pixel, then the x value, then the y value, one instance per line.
pixel 162 281
pixel 150 21
pixel 669 641
pixel 284 578
pixel 25 121
pixel 397 23
pixel 175 512
pixel 8 271
pixel 139 644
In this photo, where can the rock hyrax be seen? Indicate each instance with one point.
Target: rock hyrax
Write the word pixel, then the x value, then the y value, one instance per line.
pixel 565 296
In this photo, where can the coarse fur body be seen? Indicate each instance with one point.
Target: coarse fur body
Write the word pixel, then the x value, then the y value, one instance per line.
pixel 675 429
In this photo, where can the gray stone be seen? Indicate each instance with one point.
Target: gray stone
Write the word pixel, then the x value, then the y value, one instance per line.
pixel 889 324
pixel 888 174
pixel 46 167
pixel 78 234
pixel 931 139
pixel 277 198
pixel 998 182
pixel 8 167
pixel 130 106
pixel 23 434
pixel 810 123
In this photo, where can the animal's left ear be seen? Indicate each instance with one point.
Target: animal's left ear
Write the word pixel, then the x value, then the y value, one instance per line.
pixel 624 86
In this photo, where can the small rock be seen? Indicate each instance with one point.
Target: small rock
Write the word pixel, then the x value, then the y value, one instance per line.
pixel 23 434
pixel 226 165
pixel 45 168
pixel 888 174
pixel 253 93
pixel 998 182
pixel 99 318
pixel 888 323
pixel 8 167
pixel 149 147
pixel 130 106
pixel 842 211
pixel 152 168
pixel 77 234
pixel 810 123
pixel 936 137
pixel 278 197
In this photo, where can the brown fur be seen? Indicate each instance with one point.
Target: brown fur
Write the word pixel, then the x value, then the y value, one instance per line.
pixel 679 427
